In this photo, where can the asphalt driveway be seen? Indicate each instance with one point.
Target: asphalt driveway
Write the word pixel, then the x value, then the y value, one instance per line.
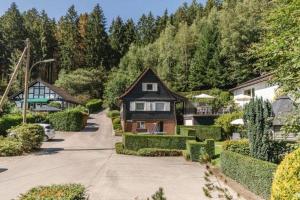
pixel 88 157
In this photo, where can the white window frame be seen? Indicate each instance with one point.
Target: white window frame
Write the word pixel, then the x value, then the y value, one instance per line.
pixel 141 125
pixel 150 106
pixel 140 102
pixel 154 87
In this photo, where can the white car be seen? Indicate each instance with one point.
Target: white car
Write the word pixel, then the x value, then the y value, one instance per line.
pixel 49 131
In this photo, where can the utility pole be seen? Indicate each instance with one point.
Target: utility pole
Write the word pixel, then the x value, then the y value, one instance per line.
pixel 25 95
pixel 13 76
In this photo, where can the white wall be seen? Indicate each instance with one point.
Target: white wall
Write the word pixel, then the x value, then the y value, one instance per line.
pixel 262 89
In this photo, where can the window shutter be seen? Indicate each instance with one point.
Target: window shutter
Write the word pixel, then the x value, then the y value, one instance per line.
pixel 167 106
pixel 132 106
pixel 155 87
pixel 144 86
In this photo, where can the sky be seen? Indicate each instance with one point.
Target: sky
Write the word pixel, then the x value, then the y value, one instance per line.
pixel 112 8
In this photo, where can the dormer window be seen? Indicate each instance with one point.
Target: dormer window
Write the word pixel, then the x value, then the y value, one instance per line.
pixel 149 87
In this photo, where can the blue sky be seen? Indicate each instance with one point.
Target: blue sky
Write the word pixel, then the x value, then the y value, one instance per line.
pixel 112 8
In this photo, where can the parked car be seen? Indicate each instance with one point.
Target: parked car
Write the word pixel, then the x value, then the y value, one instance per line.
pixel 49 131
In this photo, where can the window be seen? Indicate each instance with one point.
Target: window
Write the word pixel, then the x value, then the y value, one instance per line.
pixel 250 92
pixel 139 106
pixel 141 125
pixel 160 106
pixel 149 106
pixel 152 87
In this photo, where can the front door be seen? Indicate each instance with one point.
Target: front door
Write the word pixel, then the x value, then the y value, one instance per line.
pixel 161 126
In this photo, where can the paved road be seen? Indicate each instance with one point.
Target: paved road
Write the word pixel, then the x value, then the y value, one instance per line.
pixel 88 157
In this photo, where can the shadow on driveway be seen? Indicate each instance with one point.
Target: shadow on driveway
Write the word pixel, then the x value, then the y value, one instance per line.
pixel 49 151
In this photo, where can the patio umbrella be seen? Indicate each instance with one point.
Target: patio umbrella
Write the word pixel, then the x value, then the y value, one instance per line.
pixel 237 122
pixel 242 97
pixel 203 96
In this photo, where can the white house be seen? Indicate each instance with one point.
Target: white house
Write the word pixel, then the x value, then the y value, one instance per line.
pixel 41 93
pixel 258 87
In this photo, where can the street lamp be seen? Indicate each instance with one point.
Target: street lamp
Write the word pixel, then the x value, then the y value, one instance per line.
pixel 27 76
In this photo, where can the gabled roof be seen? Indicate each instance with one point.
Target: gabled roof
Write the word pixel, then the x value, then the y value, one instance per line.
pixel 264 77
pixel 61 92
pixel 146 70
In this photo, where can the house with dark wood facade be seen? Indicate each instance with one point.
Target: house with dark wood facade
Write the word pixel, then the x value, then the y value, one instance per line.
pixel 41 93
pixel 148 105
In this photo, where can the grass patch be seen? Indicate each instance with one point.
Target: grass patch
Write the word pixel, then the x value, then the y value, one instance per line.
pixel 218 151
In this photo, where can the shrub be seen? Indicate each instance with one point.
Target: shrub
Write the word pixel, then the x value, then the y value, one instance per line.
pixel 186 154
pixel 10 147
pixel 237 146
pixel 30 135
pixel 68 120
pixel 136 142
pixel 11 120
pixel 94 105
pixel 56 192
pixel 286 184
pixel 55 104
pixel 117 124
pixel 258 121
pixel 224 122
pixel 159 152
pixel 196 149
pixel 113 114
pixel 202 132
pixel 121 150
pixel 116 121
pixel 255 174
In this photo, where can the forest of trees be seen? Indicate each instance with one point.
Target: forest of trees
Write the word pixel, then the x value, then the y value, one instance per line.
pixel 196 47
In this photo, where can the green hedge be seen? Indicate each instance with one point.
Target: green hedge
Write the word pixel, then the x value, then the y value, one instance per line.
pixel 113 114
pixel 10 147
pixel 153 152
pixel 11 120
pixel 136 142
pixel 56 192
pixel 196 149
pixel 94 105
pixel 68 120
pixel 30 135
pixel 237 146
pixel 202 132
pixel 256 175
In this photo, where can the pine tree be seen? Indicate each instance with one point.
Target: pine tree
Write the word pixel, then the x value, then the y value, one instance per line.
pixel 161 22
pixel 68 39
pixel 117 40
pixel 130 33
pixel 13 35
pixel 97 45
pixel 146 29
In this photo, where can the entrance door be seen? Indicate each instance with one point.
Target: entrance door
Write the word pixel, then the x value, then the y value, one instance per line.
pixel 161 126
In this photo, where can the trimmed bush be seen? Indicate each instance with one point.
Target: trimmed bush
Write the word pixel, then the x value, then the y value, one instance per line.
pixel 286 184
pixel 121 150
pixel 68 120
pixel 94 105
pixel 237 146
pixel 196 149
pixel 113 114
pixel 202 132
pixel 11 120
pixel 10 147
pixel 136 142
pixel 256 175
pixel 159 152
pixel 30 135
pixel 56 192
